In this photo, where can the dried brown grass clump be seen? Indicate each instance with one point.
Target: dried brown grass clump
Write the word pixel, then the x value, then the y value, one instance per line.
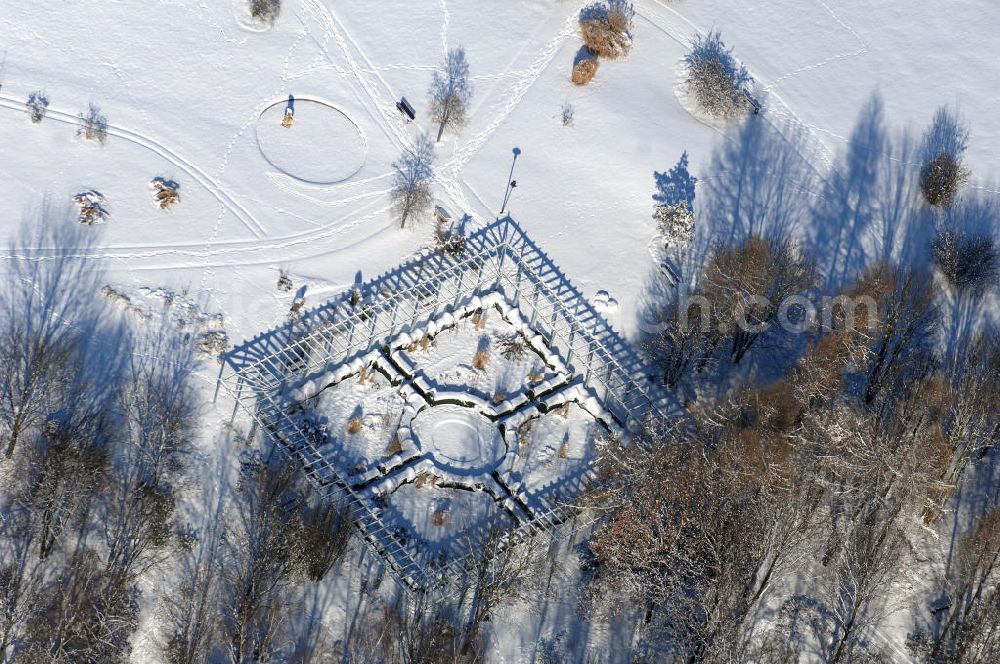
pixel 354 425
pixel 395 446
pixel 524 430
pixel 564 451
pixel 498 398
pixel 440 517
pixel 562 411
pixel 601 38
pixel 479 320
pixel 481 359
pixel 585 70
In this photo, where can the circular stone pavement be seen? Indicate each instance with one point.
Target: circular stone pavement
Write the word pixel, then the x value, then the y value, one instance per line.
pixel 459 438
pixel 322 145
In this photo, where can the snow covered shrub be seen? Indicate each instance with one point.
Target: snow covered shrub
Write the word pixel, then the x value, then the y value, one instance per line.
pixel 165 192
pixel 92 206
pixel 941 178
pixel 584 70
pixel 265 10
pixel 37 105
pixel 674 196
pixel 93 125
pixel 969 262
pixel 449 241
pixel 606 28
pixel 717 80
pixel 675 223
pixel 943 173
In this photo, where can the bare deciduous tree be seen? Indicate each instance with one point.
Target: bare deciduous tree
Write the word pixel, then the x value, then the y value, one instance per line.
pixel 43 314
pixel 451 92
pixel 504 573
pixel 411 180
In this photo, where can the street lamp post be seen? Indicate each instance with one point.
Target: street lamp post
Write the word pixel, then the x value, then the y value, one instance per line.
pixel 511 182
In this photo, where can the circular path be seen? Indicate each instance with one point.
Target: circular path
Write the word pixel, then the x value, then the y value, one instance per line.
pixel 322 146
pixel 459 438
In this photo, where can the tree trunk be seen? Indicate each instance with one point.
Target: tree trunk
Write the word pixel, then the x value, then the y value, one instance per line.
pixel 441 129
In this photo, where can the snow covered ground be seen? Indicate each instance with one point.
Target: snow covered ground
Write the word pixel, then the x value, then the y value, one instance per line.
pixel 194 92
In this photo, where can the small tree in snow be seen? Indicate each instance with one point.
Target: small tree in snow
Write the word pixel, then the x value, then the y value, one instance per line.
pixel 715 77
pixel 265 10
pixel 943 173
pixel 451 92
pixel 411 180
pixel 93 125
pixel 37 105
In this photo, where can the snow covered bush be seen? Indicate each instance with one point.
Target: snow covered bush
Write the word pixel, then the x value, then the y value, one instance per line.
pixel 941 178
pixel 943 173
pixel 606 29
pixel 93 207
pixel 716 79
pixel 584 70
pixel 37 105
pixel 165 193
pixel 265 10
pixel 93 125
pixel 675 223
pixel 969 262
pixel 674 197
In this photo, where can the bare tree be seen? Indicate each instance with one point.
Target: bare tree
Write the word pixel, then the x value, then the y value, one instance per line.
pixel 93 125
pixel 970 632
pixel 83 616
pixel 261 558
pixel 411 180
pixel 451 92
pixel 505 572
pixel 907 316
pixel 748 284
pixel 45 309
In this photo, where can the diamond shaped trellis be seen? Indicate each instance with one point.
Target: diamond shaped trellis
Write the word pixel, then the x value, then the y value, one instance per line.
pixel 455 393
